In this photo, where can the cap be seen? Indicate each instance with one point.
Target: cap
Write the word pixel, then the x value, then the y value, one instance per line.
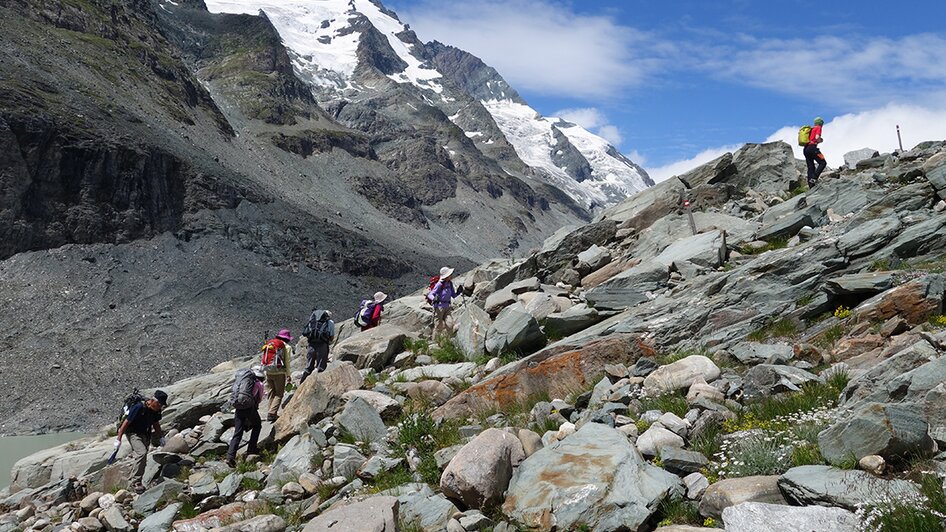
pixel 161 397
pixel 819 121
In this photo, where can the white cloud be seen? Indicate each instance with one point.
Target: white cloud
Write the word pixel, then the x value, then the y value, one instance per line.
pixel 540 46
pixel 594 120
pixel 869 129
pixel 873 129
pixel 843 70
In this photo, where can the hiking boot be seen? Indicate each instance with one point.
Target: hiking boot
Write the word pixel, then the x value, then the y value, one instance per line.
pixel 272 418
pixel 137 487
pixel 812 183
pixel 231 463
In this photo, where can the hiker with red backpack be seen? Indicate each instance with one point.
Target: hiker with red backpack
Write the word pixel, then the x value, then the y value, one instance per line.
pixel 810 138
pixel 440 297
pixel 277 355
pixel 246 396
pixel 369 312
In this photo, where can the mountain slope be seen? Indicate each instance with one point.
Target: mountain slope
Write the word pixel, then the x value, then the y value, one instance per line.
pixel 349 50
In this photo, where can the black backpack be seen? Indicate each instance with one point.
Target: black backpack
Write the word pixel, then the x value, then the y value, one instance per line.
pixel 133 399
pixel 316 330
pixel 242 390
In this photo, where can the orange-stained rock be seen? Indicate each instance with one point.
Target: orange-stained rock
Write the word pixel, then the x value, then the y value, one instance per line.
pixel 230 513
pixel 556 371
pixel 852 347
pixel 606 272
pixel 913 301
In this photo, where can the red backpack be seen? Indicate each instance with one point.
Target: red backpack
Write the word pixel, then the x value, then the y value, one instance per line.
pixel 433 282
pixel 272 353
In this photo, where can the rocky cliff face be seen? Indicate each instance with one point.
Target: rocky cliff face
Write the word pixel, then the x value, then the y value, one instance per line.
pixel 783 365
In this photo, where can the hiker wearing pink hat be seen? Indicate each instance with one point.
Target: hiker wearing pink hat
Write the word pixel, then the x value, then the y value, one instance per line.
pixel 277 355
pixel 440 297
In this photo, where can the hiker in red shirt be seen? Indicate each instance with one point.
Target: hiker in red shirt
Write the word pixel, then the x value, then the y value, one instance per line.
pixel 813 155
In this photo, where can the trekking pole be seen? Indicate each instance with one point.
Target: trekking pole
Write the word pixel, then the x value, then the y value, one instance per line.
pixel 899 140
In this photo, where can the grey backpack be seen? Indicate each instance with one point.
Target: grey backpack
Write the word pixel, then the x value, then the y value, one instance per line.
pixel 242 390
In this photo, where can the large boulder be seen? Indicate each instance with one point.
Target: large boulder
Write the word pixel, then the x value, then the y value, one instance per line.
pixel 594 477
pixel 935 171
pixel 769 379
pixel 640 210
pixel 73 459
pixel 853 157
pixel 762 517
pixel 599 232
pixel 191 399
pixel 791 223
pixel 460 370
pixel 704 249
pixel 514 329
pixel 362 421
pixel 147 501
pixel 295 458
pixel 472 325
pixel 421 507
pixel 319 396
pixel 593 258
pixel 574 319
pixel 260 523
pixel 895 432
pixel 869 236
pixel 827 486
pixel 755 353
pixel 768 168
pixel 680 375
pixel 732 491
pixel 386 406
pixel 479 474
pixel 630 287
pixel 376 514
pixel 410 313
pixel 160 521
pixel 556 373
pixel 372 348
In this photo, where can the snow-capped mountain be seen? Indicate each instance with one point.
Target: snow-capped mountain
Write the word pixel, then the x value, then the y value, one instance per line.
pixel 333 42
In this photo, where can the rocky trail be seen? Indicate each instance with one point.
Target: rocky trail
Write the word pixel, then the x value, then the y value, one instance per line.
pixel 784 368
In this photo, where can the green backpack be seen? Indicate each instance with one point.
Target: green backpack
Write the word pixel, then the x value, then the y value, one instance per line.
pixel 804 135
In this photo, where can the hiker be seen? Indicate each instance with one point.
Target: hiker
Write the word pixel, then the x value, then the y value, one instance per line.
pixel 813 155
pixel 277 355
pixel 143 418
pixel 369 315
pixel 320 331
pixel 246 398
pixel 440 297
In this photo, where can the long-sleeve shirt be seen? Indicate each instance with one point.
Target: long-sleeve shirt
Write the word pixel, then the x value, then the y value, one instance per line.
pixel 258 393
pixel 815 136
pixel 442 294
pixel 375 319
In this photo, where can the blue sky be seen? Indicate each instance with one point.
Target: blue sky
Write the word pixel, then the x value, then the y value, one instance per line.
pixel 673 84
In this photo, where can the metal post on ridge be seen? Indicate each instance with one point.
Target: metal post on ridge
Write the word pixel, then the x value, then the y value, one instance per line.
pixel 899 140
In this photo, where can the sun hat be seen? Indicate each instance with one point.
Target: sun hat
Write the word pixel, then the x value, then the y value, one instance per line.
pixel 258 371
pixel 284 335
pixel 379 297
pixel 445 272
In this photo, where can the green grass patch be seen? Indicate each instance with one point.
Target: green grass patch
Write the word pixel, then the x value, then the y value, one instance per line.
pixel 386 480
pixel 775 243
pixel 707 443
pixel 188 510
pixel 937 321
pixel 830 336
pixel 806 454
pixel 766 412
pixel 446 351
pixel 677 511
pixel 249 483
pixel 805 300
pixel 783 328
pixel 923 513
pixel 672 402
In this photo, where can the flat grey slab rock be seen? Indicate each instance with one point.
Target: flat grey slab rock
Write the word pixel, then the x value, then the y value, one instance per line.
pixel 762 517
pixel 827 486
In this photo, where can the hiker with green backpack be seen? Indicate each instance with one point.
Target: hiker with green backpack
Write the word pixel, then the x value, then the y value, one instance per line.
pixel 246 396
pixel 810 138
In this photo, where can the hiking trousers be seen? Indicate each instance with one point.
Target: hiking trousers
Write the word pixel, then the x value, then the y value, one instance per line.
pixel 275 388
pixel 139 448
pixel 813 157
pixel 440 320
pixel 243 419
pixel 316 359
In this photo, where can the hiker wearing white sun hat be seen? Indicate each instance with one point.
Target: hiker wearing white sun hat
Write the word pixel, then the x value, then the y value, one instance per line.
pixel 440 297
